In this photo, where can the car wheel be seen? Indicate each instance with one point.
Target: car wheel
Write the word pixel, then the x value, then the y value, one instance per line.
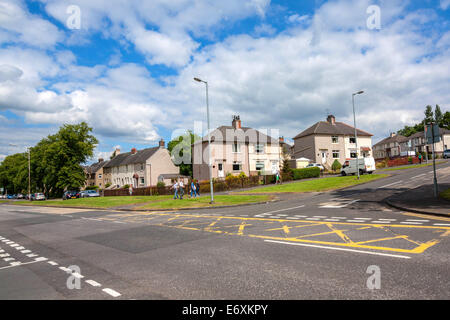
pixel 361 172
pixel 343 173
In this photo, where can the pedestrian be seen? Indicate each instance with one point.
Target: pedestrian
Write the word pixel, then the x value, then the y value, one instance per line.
pixel 420 158
pixel 175 187
pixel 197 188
pixel 130 190
pixel 181 188
pixel 277 177
pixel 193 189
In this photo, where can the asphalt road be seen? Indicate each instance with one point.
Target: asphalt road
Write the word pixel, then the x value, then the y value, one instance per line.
pixel 307 246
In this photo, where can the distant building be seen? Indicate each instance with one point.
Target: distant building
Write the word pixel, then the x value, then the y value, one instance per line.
pixel 327 141
pixel 139 168
pixel 418 143
pixel 236 149
pixel 94 174
pixel 389 147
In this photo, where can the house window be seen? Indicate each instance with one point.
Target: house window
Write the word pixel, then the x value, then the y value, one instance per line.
pixel 99 175
pixel 142 166
pixel 334 139
pixel 353 155
pixel 335 154
pixel 236 147
pixel 259 148
pixel 260 166
pixel 142 180
pixel 237 166
pixel 352 140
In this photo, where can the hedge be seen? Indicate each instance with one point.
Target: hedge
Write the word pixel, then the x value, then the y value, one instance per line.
pixel 306 173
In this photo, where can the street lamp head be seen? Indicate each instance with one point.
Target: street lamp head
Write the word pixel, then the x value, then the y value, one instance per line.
pixel 359 92
pixel 198 80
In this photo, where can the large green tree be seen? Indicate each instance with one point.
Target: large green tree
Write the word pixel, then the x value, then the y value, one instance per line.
pixel 181 150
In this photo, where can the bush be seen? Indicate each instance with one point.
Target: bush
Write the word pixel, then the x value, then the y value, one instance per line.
pixel 306 173
pixel 91 188
pixel 108 185
pixel 287 174
pixel 160 184
pixel 127 186
pixel 336 165
pixel 242 175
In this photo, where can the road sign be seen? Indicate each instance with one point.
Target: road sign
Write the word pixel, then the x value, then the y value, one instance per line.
pixel 430 130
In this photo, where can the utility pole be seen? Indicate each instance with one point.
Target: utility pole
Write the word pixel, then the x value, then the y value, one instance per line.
pixel 356 135
pixel 434 163
pixel 29 173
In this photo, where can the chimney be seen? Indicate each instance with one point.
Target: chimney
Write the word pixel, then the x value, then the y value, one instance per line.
pixel 133 151
pixel 117 151
pixel 162 144
pixel 100 160
pixel 281 139
pixel 393 134
pixel 331 119
pixel 236 122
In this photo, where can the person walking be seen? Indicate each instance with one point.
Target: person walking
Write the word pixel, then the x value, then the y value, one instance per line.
pixel 193 189
pixel 130 190
pixel 175 187
pixel 197 188
pixel 277 177
pixel 181 189
pixel 420 158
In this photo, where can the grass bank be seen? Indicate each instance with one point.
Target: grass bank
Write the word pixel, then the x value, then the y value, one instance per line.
pixel 412 166
pixel 317 185
pixel 445 194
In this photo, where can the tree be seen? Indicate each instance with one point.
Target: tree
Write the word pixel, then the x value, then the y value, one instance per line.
pixel 446 120
pixel 429 116
pixel 181 150
pixel 336 165
pixel 438 116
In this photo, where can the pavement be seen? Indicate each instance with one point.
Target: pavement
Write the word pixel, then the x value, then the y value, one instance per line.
pixel 306 246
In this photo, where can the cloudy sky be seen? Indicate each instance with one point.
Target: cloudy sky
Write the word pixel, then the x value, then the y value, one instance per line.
pixel 126 66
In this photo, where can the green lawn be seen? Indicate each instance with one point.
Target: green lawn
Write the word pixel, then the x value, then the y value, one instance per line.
pixel 445 194
pixel 222 200
pixel 147 202
pixel 412 166
pixel 316 185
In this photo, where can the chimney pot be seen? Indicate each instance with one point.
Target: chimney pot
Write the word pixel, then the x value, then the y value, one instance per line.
pixel 331 119
pixel 100 160
pixel 236 122
pixel 281 139
pixel 133 151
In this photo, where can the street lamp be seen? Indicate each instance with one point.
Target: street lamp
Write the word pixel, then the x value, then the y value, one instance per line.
pixel 209 141
pixel 29 170
pixel 356 135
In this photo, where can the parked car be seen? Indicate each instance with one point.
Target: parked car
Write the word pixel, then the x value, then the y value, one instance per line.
pixel 446 154
pixel 20 196
pixel 38 196
pixel 10 196
pixel 316 165
pixel 71 195
pixel 366 165
pixel 89 193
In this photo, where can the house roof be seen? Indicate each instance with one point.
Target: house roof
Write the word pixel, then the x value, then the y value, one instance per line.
pixel 250 135
pixel 95 166
pixel 421 134
pixel 397 138
pixel 129 158
pixel 325 127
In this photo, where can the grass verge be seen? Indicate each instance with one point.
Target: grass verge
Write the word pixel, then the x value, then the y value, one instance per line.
pixel 412 166
pixel 317 185
pixel 147 202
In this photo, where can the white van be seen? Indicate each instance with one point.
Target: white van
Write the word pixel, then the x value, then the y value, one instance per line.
pixel 366 165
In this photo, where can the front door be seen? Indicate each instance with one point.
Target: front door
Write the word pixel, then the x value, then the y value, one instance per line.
pixel 220 172
pixel 324 157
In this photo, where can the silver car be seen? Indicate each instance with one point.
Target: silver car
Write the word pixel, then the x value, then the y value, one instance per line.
pixel 39 196
pixel 446 154
pixel 89 194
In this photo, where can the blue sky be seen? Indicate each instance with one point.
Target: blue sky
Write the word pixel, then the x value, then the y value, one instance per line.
pixel 128 69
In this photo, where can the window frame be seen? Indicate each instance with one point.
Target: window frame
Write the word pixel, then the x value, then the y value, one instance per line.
pixel 333 138
pixel 338 152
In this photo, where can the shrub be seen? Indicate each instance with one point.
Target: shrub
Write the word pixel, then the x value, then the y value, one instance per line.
pixel 336 165
pixel 108 185
pixel 160 184
pixel 91 188
pixel 242 175
pixel 127 186
pixel 306 173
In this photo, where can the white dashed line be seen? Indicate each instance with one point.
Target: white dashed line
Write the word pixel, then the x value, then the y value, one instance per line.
pixel 77 275
pixel 41 259
pixel 405 222
pixel 111 292
pixel 387 219
pixel 312 219
pixel 442 224
pixel 391 184
pixel 419 175
pixel 32 255
pixel 320 216
pixel 8 259
pixel 25 251
pixel 363 218
pixel 65 269
pixel 331 219
pixel 53 263
pixel 417 220
pixel 295 218
pixel 15 263
pixel 299 216
pixel 4 255
pixel 339 217
pixel 20 248
pixel 14 245
pixel 93 283
pixel 381 221
pixel 355 221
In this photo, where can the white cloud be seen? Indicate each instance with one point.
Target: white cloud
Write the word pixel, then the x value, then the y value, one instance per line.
pixel 445 4
pixel 23 27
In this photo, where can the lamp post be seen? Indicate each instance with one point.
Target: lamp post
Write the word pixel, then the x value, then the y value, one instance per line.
pixel 29 170
pixel 356 135
pixel 209 142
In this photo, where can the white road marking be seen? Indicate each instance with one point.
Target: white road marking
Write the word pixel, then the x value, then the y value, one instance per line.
pixel 77 275
pixel 441 224
pixel 21 264
pixel 417 220
pixel 280 215
pixel 320 216
pixel 53 263
pixel 355 221
pixel 111 292
pixel 331 219
pixel 331 206
pixel 419 175
pixel 363 218
pixel 25 251
pixel 17 263
pixel 20 248
pixel 93 283
pixel 339 249
pixel 8 259
pixel 292 218
pixel 296 215
pixel 339 217
pixel 381 222
pixel 387 219
pixel 405 222
pixel 391 184
pixel 14 245
pixel 32 255
pixel 4 255
pixel 41 259
pixel 270 212
pixel 65 269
